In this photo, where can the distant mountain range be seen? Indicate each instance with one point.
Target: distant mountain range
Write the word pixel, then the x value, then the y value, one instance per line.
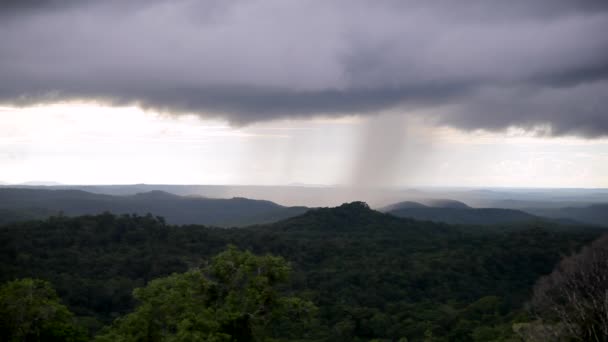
pixel 17 204
pixel 456 212
pixel 330 196
pixel 431 203
pixel 27 203
pixel 596 214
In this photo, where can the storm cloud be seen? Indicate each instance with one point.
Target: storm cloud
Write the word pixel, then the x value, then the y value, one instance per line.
pixel 473 64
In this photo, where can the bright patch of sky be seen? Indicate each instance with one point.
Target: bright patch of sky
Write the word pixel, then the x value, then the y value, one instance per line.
pixel 86 143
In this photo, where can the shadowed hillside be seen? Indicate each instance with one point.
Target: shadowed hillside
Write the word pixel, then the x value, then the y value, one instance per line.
pixel 596 214
pixel 21 204
pixel 456 212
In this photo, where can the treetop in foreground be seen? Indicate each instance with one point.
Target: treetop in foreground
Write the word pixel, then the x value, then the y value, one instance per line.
pixel 30 310
pixel 233 298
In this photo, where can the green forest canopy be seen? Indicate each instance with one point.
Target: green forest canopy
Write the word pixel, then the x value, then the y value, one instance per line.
pixel 371 275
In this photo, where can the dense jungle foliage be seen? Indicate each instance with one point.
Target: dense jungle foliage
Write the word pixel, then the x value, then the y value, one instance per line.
pixel 358 274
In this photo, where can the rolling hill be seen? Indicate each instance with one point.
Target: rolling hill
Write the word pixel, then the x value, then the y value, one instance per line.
pixel 456 212
pixel 596 214
pixel 24 203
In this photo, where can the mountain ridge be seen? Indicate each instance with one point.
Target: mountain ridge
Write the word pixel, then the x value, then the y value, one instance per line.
pixel 237 211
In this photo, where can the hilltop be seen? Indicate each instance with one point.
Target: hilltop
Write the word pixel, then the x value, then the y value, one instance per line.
pixel 456 212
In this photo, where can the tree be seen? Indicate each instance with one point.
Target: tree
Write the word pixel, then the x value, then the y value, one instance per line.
pixel 30 310
pixel 233 298
pixel 575 295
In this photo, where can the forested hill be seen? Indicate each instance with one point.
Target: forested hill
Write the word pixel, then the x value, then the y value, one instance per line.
pixel 596 214
pixel 483 216
pixel 372 275
pixel 455 212
pixel 17 204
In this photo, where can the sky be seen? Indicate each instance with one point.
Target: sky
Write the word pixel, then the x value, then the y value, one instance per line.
pixel 332 92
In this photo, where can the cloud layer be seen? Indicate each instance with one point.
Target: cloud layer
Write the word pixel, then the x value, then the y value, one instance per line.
pixel 473 64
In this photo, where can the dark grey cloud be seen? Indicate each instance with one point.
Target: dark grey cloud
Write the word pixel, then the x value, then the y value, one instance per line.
pixel 473 64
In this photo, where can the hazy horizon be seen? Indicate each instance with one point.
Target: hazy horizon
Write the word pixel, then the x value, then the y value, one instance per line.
pixel 332 196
